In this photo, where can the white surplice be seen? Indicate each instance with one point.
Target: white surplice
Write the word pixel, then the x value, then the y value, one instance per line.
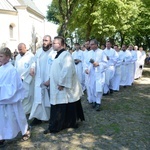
pixel 23 65
pixel 132 66
pixel 115 82
pixel 78 54
pixel 85 54
pixel 109 73
pixel 86 76
pixel 137 69
pixel 142 62
pixel 41 104
pixel 127 57
pixel 65 75
pixel 141 55
pixel 12 116
pixel 96 76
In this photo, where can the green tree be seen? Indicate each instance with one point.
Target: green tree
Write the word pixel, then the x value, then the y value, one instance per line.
pixel 142 28
pixel 121 21
pixel 60 12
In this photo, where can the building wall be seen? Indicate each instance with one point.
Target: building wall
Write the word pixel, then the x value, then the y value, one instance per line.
pixel 29 27
pixel 5 21
pixel 26 26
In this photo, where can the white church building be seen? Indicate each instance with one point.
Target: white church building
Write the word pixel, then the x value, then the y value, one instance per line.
pixel 21 22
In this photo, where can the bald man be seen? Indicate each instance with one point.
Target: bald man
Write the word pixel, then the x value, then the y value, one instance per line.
pixel 23 64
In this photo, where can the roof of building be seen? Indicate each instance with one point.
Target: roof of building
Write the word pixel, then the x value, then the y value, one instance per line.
pixel 30 4
pixel 4 5
pixel 11 4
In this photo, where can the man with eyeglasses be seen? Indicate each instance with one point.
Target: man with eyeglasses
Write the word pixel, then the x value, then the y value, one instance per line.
pixel 65 91
pixel 95 69
pixel 40 69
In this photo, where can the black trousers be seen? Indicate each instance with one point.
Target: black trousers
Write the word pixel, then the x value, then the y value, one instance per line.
pixel 65 116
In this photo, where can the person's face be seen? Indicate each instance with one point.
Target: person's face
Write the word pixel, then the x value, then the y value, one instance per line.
pixel 108 45
pixel 123 47
pixel 140 49
pixel 77 47
pixel 93 46
pixel 87 45
pixel 56 45
pixel 83 48
pixel 4 59
pixel 116 48
pixel 70 51
pixel 135 48
pixel 130 48
pixel 22 49
pixel 102 47
pixel 46 43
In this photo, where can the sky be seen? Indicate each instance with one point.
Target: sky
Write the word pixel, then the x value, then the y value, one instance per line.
pixel 50 28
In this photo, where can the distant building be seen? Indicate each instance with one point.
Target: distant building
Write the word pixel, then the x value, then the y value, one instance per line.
pixel 20 21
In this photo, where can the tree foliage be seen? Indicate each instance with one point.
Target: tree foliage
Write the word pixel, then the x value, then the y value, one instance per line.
pixel 60 13
pixel 121 21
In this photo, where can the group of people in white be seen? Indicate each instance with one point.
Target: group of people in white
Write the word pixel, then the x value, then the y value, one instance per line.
pixel 48 86
pixel 103 71
pixel 43 87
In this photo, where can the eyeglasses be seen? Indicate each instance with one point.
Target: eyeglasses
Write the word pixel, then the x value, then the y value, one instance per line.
pixel 55 43
pixel 45 40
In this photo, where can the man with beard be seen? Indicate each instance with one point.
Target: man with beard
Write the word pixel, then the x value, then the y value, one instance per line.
pixel 41 69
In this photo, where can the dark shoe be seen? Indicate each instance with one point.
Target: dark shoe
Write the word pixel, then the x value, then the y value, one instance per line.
pixel 98 107
pixel 93 105
pixel 105 94
pixel 111 91
pixel 46 131
pixel 116 91
pixel 35 122
pixel 2 143
pixel 124 86
pixel 75 126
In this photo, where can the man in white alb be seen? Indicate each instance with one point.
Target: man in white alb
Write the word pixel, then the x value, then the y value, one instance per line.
pixel 65 91
pixel 112 56
pixel 79 59
pixel 115 82
pixel 125 66
pixel 132 64
pixel 95 69
pixel 41 70
pixel 23 63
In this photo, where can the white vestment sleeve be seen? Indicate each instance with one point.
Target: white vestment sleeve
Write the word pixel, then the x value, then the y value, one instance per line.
pixel 11 92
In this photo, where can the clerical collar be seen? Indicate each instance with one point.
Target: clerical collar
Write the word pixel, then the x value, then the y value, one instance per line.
pixel 59 52
pixel 22 54
pixel 6 63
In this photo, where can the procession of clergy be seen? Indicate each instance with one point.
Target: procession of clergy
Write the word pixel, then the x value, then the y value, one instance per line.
pixel 54 79
pixel 103 71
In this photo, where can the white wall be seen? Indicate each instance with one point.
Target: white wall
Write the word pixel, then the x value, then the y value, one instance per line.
pixel 5 21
